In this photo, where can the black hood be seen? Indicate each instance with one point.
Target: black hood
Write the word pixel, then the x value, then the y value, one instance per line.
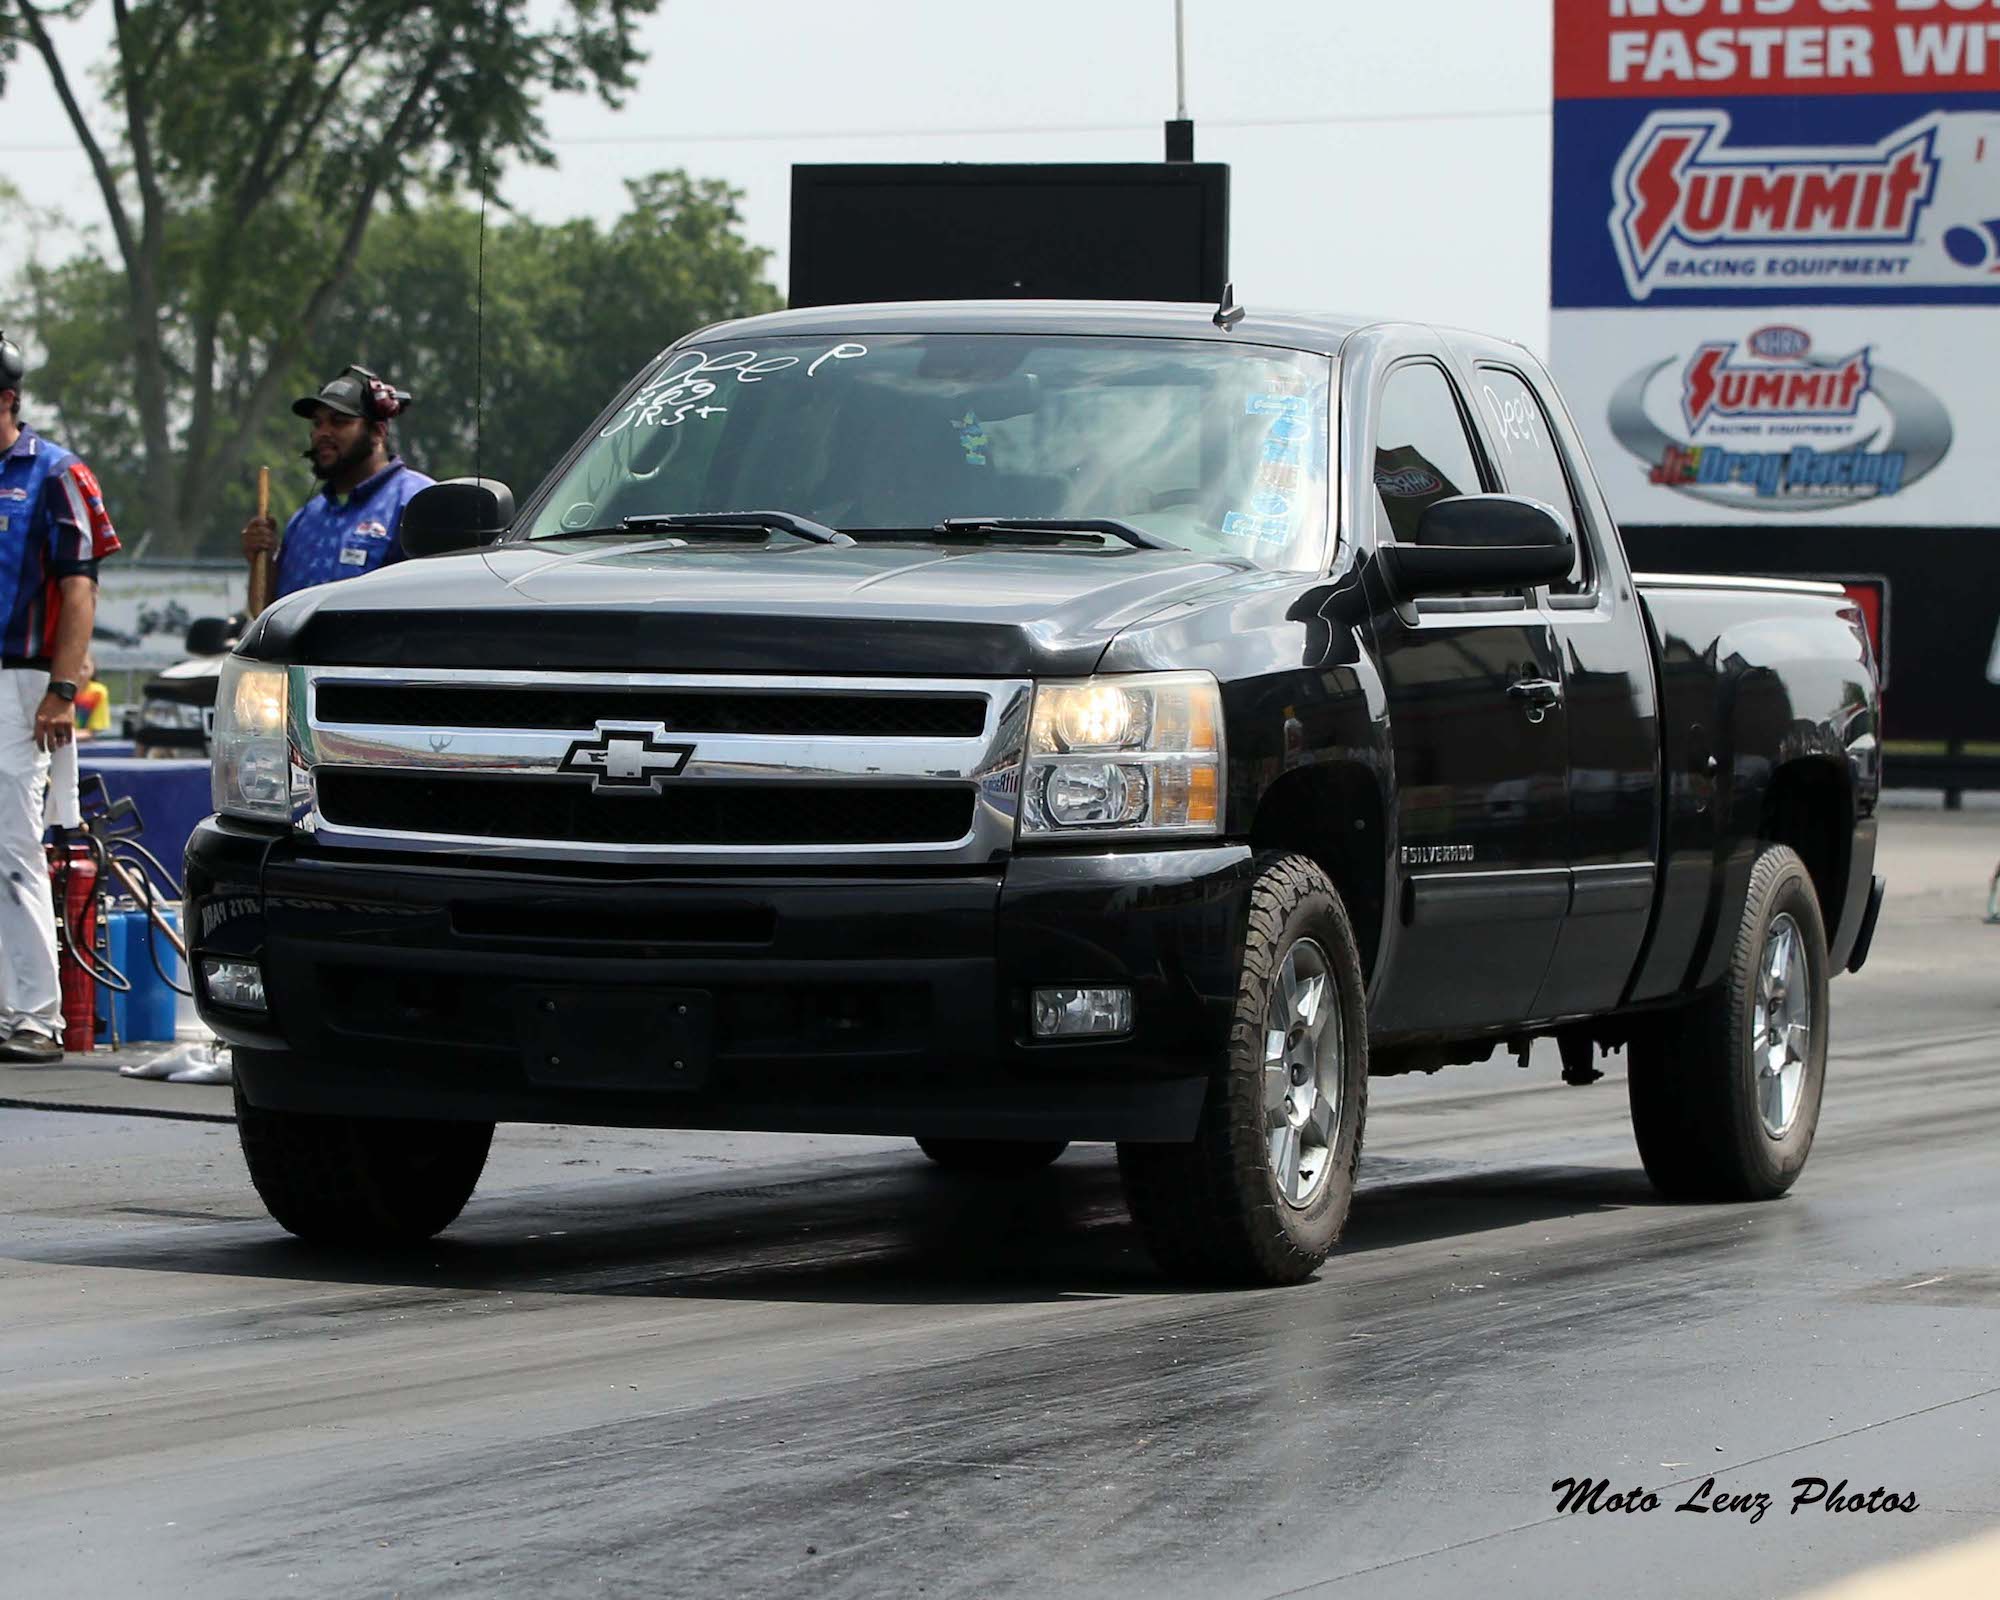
pixel 639 605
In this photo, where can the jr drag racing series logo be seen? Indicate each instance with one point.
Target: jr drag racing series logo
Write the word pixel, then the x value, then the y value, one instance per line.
pixel 1696 212
pixel 1766 424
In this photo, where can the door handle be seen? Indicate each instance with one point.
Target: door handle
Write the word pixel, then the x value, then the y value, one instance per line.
pixel 1537 694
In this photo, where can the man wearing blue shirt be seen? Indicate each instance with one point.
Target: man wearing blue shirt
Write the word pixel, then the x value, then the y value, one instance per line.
pixel 353 526
pixel 53 532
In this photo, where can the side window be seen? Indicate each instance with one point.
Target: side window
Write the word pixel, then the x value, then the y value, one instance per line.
pixel 1531 460
pixel 1422 454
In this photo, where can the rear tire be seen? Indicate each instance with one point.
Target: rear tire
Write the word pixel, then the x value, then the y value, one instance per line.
pixel 1726 1092
pixel 1262 1192
pixel 360 1180
pixel 993 1158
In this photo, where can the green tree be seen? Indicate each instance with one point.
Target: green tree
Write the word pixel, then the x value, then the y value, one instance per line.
pixel 571 310
pixel 257 139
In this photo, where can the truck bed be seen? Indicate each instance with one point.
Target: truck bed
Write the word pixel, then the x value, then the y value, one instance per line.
pixel 1756 675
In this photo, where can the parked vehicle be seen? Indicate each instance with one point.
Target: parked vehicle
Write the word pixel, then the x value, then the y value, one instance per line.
pixel 1131 725
pixel 177 710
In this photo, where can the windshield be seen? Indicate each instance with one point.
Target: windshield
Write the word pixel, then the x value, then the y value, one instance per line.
pixel 1216 448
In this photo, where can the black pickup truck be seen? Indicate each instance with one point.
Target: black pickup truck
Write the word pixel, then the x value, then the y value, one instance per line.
pixel 1008 724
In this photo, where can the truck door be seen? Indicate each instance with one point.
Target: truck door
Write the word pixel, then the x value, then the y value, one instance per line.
pixel 1611 724
pixel 1477 723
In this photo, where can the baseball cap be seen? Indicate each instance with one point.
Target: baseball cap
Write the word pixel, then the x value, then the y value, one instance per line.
pixel 344 394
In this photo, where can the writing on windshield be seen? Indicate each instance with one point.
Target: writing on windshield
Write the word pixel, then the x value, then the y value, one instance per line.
pixel 687 382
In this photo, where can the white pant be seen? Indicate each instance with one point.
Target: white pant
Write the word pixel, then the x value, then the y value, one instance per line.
pixel 35 790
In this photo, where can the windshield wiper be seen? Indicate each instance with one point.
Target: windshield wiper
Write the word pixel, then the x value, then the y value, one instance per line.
pixel 1110 527
pixel 775 521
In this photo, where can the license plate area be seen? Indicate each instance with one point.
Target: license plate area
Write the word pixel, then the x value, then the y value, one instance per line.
pixel 643 1039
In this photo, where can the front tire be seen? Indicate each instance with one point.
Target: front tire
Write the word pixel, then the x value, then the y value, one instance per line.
pixel 993 1158
pixel 1262 1192
pixel 360 1180
pixel 1726 1093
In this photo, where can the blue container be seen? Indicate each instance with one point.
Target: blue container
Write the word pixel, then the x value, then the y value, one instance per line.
pixel 146 1015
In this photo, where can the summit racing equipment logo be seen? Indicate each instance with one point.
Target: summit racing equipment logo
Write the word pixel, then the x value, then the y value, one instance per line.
pixel 1692 211
pixel 1765 425
pixel 1713 385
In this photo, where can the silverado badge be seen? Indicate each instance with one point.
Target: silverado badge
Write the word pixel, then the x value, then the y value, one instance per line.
pixel 1432 855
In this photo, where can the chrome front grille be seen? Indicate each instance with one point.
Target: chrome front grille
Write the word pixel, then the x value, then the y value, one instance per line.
pixel 699 770
pixel 684 710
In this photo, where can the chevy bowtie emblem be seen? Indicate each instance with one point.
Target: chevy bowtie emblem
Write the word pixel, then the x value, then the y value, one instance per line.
pixel 626 758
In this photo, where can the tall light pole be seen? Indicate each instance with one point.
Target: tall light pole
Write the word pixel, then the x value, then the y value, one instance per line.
pixel 1180 61
pixel 1180 131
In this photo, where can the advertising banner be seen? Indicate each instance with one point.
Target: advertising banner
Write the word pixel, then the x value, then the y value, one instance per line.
pixel 144 608
pixel 1776 256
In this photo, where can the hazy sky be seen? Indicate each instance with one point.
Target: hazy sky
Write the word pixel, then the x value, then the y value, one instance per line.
pixel 1386 157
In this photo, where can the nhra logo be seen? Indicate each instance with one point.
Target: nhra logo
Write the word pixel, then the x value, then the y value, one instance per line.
pixel 1779 343
pixel 1788 386
pixel 1408 483
pixel 1693 211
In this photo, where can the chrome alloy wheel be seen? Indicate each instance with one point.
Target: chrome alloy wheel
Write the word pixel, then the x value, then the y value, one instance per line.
pixel 1303 1051
pixel 1781 1027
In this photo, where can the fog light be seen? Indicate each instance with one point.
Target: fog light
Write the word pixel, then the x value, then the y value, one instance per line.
pixel 234 983
pixel 1077 1013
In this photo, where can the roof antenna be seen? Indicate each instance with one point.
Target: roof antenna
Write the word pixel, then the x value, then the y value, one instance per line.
pixel 1229 313
pixel 479 338
pixel 1180 131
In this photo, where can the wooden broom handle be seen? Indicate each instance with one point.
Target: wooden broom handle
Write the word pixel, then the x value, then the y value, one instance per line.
pixel 260 564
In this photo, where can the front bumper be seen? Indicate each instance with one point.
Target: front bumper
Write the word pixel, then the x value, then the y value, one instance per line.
pixel 853 1003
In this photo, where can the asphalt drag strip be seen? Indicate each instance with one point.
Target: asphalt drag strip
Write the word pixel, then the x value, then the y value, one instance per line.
pixel 723 1365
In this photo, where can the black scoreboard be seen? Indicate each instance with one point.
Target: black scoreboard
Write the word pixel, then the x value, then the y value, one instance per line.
pixel 964 231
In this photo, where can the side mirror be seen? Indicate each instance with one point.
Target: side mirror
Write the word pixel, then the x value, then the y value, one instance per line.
pixel 1478 541
pixel 212 636
pixel 460 514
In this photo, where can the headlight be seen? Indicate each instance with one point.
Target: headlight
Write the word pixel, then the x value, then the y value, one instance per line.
pixel 252 771
pixel 1138 754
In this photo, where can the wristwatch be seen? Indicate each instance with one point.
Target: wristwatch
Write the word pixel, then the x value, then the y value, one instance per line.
pixel 63 689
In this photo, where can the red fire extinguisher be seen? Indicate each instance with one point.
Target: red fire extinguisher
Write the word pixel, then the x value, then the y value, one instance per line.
pixel 73 880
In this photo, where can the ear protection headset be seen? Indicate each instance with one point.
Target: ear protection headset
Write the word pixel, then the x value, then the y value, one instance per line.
pixel 381 401
pixel 12 368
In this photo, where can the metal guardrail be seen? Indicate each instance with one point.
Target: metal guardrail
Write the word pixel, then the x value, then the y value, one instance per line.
pixel 1951 765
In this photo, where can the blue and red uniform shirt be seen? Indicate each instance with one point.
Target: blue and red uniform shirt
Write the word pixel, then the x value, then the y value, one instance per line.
pixel 53 525
pixel 330 538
